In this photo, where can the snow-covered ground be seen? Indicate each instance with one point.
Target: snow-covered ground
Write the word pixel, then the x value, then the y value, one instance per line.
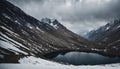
pixel 31 66
pixel 38 63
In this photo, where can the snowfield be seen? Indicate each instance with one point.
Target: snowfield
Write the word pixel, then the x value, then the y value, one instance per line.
pixel 38 63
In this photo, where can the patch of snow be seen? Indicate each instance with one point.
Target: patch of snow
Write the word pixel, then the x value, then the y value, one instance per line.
pixel 118 27
pixel 107 28
pixel 39 29
pixel 13 41
pixel 114 42
pixel 7 45
pixel 6 29
pixel 17 22
pixel 54 26
pixel 96 49
pixel 6 16
pixel 105 50
pixel 115 47
pixel 29 25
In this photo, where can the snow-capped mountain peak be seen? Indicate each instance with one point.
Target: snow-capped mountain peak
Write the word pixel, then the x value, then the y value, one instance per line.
pixel 52 22
pixel 46 20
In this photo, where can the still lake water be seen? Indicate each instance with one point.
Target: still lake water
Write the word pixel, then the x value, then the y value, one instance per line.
pixel 83 58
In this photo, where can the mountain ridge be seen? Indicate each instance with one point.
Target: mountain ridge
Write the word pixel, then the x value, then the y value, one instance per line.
pixel 107 35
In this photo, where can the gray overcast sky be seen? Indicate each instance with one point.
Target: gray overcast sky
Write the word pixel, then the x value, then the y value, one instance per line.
pixel 80 16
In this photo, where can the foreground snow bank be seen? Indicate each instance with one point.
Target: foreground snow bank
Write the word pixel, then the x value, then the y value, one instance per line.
pixel 38 63
pixel 34 60
pixel 39 66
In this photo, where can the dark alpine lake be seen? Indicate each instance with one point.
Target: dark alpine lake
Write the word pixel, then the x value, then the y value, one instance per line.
pixel 83 58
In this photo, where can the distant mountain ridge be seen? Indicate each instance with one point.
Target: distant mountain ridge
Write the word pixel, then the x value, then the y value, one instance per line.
pixel 108 35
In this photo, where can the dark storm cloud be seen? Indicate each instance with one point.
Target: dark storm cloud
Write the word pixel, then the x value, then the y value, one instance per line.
pixel 91 12
pixel 77 15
